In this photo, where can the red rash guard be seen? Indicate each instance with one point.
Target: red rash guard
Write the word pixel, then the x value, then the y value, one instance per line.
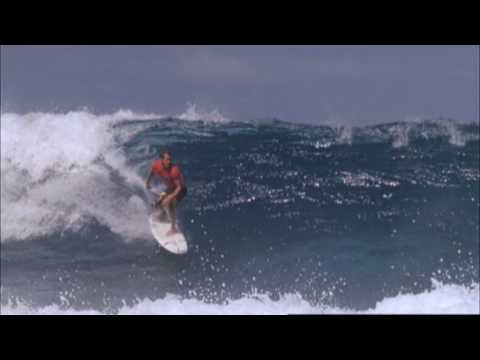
pixel 168 176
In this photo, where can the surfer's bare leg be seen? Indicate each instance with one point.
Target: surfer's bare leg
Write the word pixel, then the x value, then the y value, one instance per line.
pixel 173 218
pixel 162 214
pixel 171 211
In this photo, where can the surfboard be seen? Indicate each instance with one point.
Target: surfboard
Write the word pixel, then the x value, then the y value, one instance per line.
pixel 175 244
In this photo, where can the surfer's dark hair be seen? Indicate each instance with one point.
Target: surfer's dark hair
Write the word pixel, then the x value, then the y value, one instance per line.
pixel 162 153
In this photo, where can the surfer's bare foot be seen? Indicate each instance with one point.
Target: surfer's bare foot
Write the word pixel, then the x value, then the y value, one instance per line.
pixel 172 231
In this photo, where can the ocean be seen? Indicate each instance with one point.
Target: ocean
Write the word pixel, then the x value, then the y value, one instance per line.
pixel 280 217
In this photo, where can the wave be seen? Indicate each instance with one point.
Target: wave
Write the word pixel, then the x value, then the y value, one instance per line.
pixel 55 168
pixel 399 134
pixel 60 170
pixel 442 299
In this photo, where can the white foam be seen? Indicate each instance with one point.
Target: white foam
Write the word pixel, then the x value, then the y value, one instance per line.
pixel 456 138
pixel 344 134
pixel 400 135
pixel 55 173
pixel 127 114
pixel 443 299
pixel 192 114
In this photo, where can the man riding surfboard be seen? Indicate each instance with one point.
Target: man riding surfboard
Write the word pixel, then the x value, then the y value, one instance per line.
pixel 176 190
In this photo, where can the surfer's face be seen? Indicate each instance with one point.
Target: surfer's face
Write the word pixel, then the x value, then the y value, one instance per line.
pixel 167 161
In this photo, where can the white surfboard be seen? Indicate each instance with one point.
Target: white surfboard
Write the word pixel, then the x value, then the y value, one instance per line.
pixel 175 243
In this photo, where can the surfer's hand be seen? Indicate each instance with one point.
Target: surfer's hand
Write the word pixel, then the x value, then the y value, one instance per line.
pixel 167 201
pixel 147 185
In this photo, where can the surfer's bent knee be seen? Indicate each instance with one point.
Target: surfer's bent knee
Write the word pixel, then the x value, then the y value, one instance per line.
pixel 180 196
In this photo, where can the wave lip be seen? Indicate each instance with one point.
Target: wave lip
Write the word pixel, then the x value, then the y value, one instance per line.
pixel 192 114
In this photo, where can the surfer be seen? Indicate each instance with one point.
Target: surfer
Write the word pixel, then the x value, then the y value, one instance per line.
pixel 176 189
